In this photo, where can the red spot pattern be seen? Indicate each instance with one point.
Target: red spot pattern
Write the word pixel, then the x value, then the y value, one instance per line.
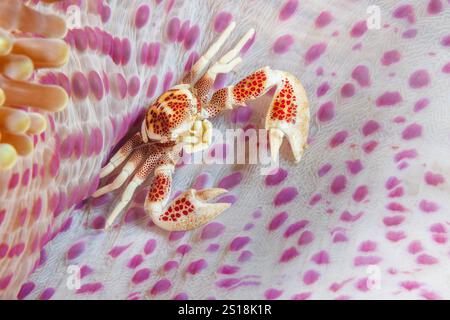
pixel 168 112
pixel 250 87
pixel 160 188
pixel 284 106
pixel 181 207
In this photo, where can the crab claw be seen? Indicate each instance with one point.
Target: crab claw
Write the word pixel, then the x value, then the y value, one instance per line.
pixel 288 116
pixel 187 211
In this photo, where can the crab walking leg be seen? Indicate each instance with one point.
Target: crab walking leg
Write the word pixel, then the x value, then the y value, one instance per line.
pixel 121 155
pixel 225 65
pixel 141 175
pixel 288 112
pixel 132 164
pixel 199 67
pixel 187 211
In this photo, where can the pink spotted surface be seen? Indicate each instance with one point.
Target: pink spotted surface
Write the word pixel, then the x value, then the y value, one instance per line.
pixel 364 215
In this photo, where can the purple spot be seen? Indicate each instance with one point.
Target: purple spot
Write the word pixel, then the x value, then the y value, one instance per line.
pixel 126 51
pixel 105 13
pixel 354 167
pixel 141 275
pixel 222 21
pixel 324 170
pixel 161 286
pixel 201 181
pixel 277 221
pixel 227 269
pixel 446 68
pixel 47 294
pixel 167 80
pixel 118 250
pixel 286 195
pixel 150 246
pixel 389 98
pixel 338 185
pixel 184 249
pixel 191 37
pixel 338 138
pixel 152 86
pixel 390 57
pixel 176 235
pixel 183 30
pixel 421 104
pixel 405 12
pixel 96 85
pixel 366 260
pixel 276 178
pixel 393 220
pixel 283 43
pixel 310 277
pixel 358 29
pixel 170 265
pixel 348 90
pixel 80 85
pixel 90 288
pixel 412 131
pixel 192 59
pixel 293 228
pixel 76 250
pixel 446 41
pixel 272 294
pixel 324 18
pixel 249 43
pixel 321 257
pixel 181 296
pixel 360 193
pixel 230 181
pixel 426 259
pixel 434 179
pixel 322 89
pixel 197 266
pixel 428 206
pixel 314 52
pixel 409 34
pixel 370 127
pixel 173 28
pixel 153 53
pixel 135 261
pixel 288 9
pixel 419 79
pixel 289 254
pixel 25 290
pixel 212 230
pixel 326 111
pixel 305 238
pixel 238 243
pixel 434 7
pixel 405 154
pixel 134 84
pixel 361 75
pixel 142 15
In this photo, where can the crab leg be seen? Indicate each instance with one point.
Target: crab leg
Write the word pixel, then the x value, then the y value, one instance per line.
pixel 121 155
pixel 187 211
pixel 127 170
pixel 141 175
pixel 199 67
pixel 225 65
pixel 288 113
